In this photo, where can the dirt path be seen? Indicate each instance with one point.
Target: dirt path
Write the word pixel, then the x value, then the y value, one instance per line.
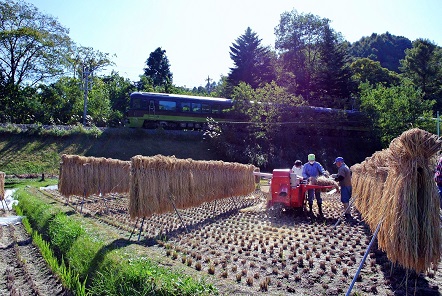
pixel 23 271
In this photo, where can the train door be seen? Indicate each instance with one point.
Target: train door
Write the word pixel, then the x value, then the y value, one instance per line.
pixel 152 107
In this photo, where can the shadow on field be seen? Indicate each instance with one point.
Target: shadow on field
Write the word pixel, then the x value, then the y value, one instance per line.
pixel 150 241
pixel 404 281
pixel 99 257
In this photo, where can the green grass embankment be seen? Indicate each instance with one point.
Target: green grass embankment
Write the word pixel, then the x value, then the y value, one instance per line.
pixel 109 264
pixel 39 151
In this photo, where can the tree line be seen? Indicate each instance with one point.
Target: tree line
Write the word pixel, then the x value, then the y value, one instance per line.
pixel 46 78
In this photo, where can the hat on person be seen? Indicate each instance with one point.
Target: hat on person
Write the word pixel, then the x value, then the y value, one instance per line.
pixel 311 157
pixel 298 162
pixel 338 159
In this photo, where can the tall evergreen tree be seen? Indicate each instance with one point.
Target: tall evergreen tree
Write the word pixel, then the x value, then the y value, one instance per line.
pixel 332 83
pixel 158 68
pixel 253 62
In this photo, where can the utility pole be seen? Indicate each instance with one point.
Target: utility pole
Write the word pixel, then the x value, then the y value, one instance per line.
pixel 438 124
pixel 86 73
pixel 208 84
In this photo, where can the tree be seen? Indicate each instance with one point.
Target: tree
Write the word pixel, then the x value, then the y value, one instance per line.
pixel 366 70
pixel 253 62
pixel 422 65
pixel 396 109
pixel 298 37
pixel 266 108
pixel 86 62
pixel 158 68
pixel 119 90
pixel 385 48
pixel 33 46
pixel 63 101
pixel 332 81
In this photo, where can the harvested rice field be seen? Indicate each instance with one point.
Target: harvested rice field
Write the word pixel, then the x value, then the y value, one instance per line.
pixel 245 249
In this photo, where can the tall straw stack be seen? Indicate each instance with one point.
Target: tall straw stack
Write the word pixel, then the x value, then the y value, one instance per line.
pixel 404 196
pixel 158 180
pixel 2 185
pixel 90 175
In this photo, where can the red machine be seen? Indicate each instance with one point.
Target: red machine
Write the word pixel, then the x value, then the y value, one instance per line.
pixel 287 191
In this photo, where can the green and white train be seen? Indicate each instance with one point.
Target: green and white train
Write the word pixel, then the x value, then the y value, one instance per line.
pixel 151 110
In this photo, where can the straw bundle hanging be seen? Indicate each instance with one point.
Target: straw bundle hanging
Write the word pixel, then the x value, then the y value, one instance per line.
pixel 2 185
pixel 189 183
pixel 90 175
pixel 407 202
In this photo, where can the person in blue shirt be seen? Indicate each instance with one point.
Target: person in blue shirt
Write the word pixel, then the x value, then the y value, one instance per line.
pixel 311 170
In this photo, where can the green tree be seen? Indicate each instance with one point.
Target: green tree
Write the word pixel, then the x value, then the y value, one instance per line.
pixel 86 62
pixel 366 70
pixel 422 65
pixel 332 81
pixel 33 46
pixel 63 101
pixel 396 109
pixel 119 90
pixel 298 39
pixel 387 49
pixel 253 62
pixel 266 108
pixel 99 104
pixel 158 68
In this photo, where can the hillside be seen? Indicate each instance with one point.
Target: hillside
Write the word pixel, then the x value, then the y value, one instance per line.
pixel 33 154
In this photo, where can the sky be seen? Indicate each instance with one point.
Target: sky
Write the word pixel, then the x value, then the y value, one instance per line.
pixel 197 34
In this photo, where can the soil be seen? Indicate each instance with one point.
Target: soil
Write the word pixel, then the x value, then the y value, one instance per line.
pixel 244 248
pixel 23 271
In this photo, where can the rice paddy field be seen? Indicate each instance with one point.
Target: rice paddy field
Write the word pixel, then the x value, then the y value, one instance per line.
pixel 243 248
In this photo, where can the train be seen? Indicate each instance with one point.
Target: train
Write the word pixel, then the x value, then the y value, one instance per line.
pixel 172 111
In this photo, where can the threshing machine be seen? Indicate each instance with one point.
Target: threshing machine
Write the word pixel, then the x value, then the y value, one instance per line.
pixel 288 191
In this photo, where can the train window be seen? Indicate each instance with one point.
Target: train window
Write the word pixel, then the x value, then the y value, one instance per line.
pixel 205 108
pixel 196 107
pixel 185 107
pixel 145 104
pixel 215 109
pixel 136 103
pixel 167 106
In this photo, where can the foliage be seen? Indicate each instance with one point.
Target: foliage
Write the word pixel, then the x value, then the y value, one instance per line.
pixel 298 39
pixel 366 70
pixel 253 62
pixel 86 61
pixel 158 68
pixel 387 49
pixel 33 46
pixel 266 108
pixel 119 90
pixel 396 109
pixel 422 65
pixel 332 81
pixel 63 101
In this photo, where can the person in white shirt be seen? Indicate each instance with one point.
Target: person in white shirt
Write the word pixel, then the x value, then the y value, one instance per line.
pixel 297 169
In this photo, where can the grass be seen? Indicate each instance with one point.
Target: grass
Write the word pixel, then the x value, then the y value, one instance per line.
pixel 69 278
pixel 40 152
pixel 94 261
